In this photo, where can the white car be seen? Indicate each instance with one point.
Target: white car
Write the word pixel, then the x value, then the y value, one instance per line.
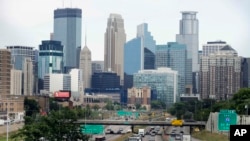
pixel 129 131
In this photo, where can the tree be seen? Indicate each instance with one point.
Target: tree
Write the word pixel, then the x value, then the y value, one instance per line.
pixel 31 107
pixel 58 125
pixel 137 105
pixel 240 100
pixel 96 107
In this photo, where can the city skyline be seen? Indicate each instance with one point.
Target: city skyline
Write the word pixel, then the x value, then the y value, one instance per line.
pixel 28 22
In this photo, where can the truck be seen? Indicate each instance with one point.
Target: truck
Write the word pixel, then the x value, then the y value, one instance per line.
pixel 186 138
pixel 141 132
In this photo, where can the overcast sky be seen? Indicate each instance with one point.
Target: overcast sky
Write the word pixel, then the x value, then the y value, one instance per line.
pixel 28 22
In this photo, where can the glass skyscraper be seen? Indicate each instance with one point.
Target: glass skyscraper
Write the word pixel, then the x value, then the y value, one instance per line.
pixel 139 53
pixel 173 55
pixel 189 35
pixel 50 58
pixel 68 30
pixel 163 80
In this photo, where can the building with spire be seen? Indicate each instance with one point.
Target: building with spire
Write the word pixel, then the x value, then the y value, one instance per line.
pixel 86 65
pixel 114 40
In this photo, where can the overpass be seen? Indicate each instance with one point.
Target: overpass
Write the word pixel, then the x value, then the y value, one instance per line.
pixel 133 123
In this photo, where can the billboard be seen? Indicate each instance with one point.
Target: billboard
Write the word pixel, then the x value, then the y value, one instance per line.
pixel 62 95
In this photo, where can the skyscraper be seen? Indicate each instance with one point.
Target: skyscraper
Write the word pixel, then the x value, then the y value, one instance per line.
pixel 189 35
pixel 50 58
pixel 139 53
pixel 220 74
pixel 28 77
pixel 5 67
pixel 86 66
pixel 212 47
pixel 68 29
pixel 173 55
pixel 16 82
pixel 114 40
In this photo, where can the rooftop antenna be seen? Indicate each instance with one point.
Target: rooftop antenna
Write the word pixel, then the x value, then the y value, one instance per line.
pixel 85 35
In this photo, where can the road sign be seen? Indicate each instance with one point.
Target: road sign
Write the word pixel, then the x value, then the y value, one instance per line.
pixel 225 119
pixel 127 113
pixel 92 129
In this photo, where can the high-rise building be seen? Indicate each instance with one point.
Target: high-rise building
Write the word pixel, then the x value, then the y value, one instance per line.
pixel 105 81
pixel 147 39
pixel 76 82
pixel 68 30
pixel 28 77
pixel 114 40
pixel 220 74
pixel 86 66
pixel 16 82
pixel 173 55
pixel 55 82
pixel 246 72
pixel 50 58
pixel 189 35
pixel 212 47
pixel 139 53
pixel 97 66
pixel 163 80
pixel 18 55
pixel 5 72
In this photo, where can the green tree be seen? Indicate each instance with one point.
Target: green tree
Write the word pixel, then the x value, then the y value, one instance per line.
pixel 58 125
pixel 137 105
pixel 31 107
pixel 96 107
pixel 241 99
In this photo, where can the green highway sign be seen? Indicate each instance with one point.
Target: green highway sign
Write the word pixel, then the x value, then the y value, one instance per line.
pixel 127 113
pixel 225 119
pixel 92 129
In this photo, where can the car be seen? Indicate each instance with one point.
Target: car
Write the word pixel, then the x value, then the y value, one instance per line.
pixel 177 137
pixel 129 131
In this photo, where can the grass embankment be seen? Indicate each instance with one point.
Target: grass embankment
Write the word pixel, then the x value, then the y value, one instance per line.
pixel 207 136
pixel 3 137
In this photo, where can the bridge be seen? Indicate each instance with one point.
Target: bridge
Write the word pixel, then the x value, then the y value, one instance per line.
pixel 138 122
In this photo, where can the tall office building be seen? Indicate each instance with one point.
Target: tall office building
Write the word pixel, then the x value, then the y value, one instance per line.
pixel 5 69
pixel 212 47
pixel 86 66
pixel 246 72
pixel 173 55
pixel 163 80
pixel 189 35
pixel 55 82
pixel 68 29
pixel 50 58
pixel 16 82
pixel 114 40
pixel 76 82
pixel 220 74
pixel 18 56
pixel 97 66
pixel 139 53
pixel 28 77
pixel 147 39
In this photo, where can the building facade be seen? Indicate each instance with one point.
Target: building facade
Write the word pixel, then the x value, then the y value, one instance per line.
pixel 76 82
pixel 105 81
pixel 50 58
pixel 163 80
pixel 140 96
pixel 220 75
pixel 28 77
pixel 56 82
pixel 86 66
pixel 68 30
pixel 97 66
pixel 5 72
pixel 189 35
pixel 16 82
pixel 173 55
pixel 114 41
pixel 212 47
